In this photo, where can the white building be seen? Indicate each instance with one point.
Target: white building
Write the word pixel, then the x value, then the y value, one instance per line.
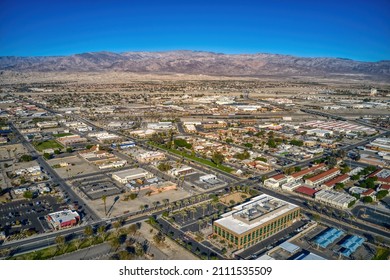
pixel 124 176
pixel 337 199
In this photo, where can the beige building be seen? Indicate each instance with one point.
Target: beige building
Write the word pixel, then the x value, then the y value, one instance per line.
pixel 256 220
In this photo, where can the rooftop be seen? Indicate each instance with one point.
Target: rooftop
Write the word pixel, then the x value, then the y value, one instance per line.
pixel 259 210
pixel 130 172
pixel 63 216
pixel 323 174
pixel 305 190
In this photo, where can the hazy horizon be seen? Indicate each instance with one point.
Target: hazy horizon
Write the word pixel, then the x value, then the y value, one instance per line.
pixel 357 30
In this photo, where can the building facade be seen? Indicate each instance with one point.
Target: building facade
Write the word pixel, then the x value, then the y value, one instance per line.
pixel 251 222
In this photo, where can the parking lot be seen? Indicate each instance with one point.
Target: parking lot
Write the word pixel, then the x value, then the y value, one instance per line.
pixel 27 214
pixel 97 186
pixel 76 166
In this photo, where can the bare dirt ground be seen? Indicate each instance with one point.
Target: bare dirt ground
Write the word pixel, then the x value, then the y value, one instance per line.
pixel 237 197
pixel 172 250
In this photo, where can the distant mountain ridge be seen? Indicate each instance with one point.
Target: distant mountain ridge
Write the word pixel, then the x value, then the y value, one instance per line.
pixel 198 62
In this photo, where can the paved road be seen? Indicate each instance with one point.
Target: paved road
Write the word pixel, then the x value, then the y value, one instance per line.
pixel 273 241
pixel 87 253
pixel 177 233
pixel 88 212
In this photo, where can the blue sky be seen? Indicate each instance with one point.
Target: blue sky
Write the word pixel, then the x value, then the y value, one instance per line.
pixel 358 30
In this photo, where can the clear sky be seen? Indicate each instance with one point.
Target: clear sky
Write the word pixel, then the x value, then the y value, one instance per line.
pixel 358 30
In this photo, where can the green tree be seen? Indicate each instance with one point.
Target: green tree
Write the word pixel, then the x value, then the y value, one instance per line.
pixel 88 232
pixel 248 145
pixel 367 199
pixel 115 243
pixel 218 158
pixel 60 242
pixel 381 194
pixel 271 143
pixel 26 158
pixel 332 161
pixel 46 155
pixel 164 166
pixel 242 156
pixel 295 142
pixel 182 143
pixel 355 177
pixel 28 194
pixel 102 232
pixel 69 150
pixel 339 186
pixel 57 152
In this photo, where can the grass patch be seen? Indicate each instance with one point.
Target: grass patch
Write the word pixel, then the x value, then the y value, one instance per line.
pixel 49 144
pixel 382 254
pixel 53 251
pixel 194 158
pixel 62 135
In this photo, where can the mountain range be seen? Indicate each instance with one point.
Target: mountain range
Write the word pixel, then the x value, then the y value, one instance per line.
pixel 199 62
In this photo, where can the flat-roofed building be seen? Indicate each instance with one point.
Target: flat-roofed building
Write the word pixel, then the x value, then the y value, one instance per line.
pixel 323 177
pixel 47 124
pixel 382 176
pixel 255 220
pixel 338 199
pixel 63 219
pixel 71 139
pixel 150 157
pixel 124 176
pixel 276 181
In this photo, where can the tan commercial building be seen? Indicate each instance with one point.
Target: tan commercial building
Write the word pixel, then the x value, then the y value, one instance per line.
pixel 150 157
pixel 253 221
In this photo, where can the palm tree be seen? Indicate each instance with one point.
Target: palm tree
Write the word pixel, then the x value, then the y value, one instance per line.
pixel 155 203
pixel 60 241
pixel 193 211
pixel 178 204
pixel 102 232
pixel 142 208
pixel 183 214
pixel 117 225
pixel 115 243
pixel 78 242
pixel 186 202
pixel 213 204
pixel 165 201
pixel 88 231
pixel 207 220
pixel 204 207
pixel 104 197
pixel 200 222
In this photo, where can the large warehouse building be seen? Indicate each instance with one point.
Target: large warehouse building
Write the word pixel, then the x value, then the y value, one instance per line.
pixel 253 221
pixel 124 176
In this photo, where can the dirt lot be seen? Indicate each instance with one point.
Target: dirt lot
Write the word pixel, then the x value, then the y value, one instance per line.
pixel 171 249
pixel 77 166
pixel 237 197
pixel 118 207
